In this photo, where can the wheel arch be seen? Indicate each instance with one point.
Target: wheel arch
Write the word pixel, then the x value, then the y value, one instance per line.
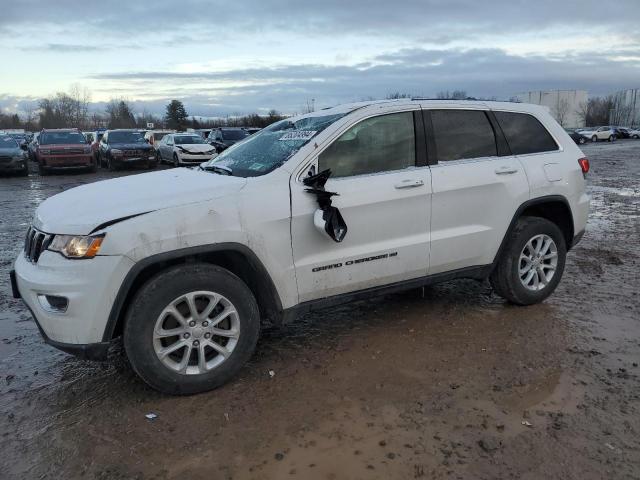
pixel 236 258
pixel 554 208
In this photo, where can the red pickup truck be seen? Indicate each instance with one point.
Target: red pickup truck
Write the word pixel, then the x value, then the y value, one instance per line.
pixel 63 148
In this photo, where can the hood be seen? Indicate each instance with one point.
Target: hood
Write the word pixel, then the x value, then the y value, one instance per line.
pixel 81 210
pixel 12 152
pixel 196 147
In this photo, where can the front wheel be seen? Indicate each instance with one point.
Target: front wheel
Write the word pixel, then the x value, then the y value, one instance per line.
pixel 531 264
pixel 594 139
pixel 582 141
pixel 176 160
pixel 191 328
pixel 611 138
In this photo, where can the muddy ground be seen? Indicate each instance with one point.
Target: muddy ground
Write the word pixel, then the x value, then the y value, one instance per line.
pixel 449 382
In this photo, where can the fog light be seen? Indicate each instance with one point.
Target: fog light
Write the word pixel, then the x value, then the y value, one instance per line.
pixel 53 303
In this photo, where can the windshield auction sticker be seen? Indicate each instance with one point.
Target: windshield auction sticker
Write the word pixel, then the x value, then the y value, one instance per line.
pixel 298 135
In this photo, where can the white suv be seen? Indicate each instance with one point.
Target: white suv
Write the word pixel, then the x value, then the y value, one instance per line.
pixel 313 211
pixel 599 133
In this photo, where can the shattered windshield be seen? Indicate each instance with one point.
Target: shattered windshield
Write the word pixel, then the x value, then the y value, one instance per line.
pixel 272 146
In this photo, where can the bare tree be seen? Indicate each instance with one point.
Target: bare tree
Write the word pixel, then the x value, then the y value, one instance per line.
pixel 561 111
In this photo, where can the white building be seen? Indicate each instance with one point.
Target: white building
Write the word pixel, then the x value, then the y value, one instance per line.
pixel 564 105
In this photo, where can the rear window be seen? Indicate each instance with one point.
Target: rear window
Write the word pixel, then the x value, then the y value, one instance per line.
pixel 461 134
pixel 525 134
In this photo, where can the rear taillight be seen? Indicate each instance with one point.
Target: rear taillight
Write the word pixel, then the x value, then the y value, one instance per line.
pixel 584 165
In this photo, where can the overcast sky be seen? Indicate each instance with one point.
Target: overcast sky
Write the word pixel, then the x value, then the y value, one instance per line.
pixel 253 55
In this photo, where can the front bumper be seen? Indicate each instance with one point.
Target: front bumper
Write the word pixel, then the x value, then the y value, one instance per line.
pixel 194 158
pixel 67 161
pixel 90 287
pixel 13 165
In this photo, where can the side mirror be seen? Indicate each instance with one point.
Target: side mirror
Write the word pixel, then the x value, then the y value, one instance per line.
pixel 327 219
pixel 330 221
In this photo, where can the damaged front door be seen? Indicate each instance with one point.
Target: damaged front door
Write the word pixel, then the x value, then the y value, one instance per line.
pixel 383 198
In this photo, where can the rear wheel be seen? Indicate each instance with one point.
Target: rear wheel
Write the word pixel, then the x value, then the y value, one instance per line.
pixel 191 328
pixel 594 139
pixel 531 265
pixel 611 138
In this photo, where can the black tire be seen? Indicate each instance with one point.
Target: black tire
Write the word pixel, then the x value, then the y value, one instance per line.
pixel 150 301
pixel 42 170
pixel 611 138
pixel 176 161
pixel 152 164
pixel 582 141
pixel 636 137
pixel 25 171
pixel 111 164
pixel 158 157
pixel 93 167
pixel 505 278
pixel 594 139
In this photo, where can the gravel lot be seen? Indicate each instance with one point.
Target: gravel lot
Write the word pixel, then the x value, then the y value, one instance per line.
pixel 449 382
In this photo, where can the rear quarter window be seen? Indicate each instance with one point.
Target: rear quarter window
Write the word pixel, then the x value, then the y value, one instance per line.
pixel 525 134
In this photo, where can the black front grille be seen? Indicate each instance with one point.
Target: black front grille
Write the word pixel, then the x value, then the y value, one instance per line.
pixel 35 243
pixel 68 151
pixel 133 153
pixel 5 159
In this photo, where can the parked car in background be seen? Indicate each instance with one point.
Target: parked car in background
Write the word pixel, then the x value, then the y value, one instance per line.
pixel 12 158
pixel 63 148
pixel 596 134
pixel 251 130
pixel 19 137
pixel 621 132
pixel 125 147
pixel 223 137
pixel 96 136
pixel 154 136
pixel 184 149
pixel 577 137
pixel 634 133
pixel 33 146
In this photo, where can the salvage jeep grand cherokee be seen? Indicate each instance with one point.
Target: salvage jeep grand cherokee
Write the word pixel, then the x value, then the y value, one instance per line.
pixel 312 211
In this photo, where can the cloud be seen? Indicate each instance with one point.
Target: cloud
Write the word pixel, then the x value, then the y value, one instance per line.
pixel 424 72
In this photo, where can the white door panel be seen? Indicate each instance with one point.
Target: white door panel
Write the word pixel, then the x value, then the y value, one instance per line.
pixel 387 217
pixel 473 203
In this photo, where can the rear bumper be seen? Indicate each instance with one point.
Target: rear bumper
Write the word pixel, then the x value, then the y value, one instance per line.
pixel 576 239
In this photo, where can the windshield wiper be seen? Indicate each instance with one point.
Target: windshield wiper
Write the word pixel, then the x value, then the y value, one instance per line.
pixel 217 169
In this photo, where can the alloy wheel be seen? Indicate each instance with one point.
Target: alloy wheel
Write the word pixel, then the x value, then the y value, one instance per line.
pixel 538 262
pixel 196 332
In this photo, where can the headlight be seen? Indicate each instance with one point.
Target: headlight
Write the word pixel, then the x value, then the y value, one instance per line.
pixel 72 246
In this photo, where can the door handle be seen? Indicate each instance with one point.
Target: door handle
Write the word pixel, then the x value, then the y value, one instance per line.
pixel 409 184
pixel 506 170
